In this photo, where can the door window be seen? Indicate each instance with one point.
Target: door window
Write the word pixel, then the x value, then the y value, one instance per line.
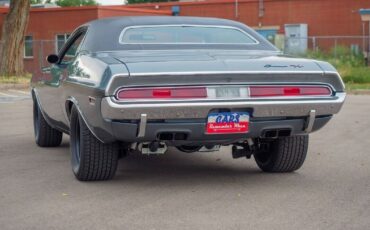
pixel 71 51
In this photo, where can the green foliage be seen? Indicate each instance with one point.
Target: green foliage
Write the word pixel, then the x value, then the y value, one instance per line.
pixel 341 56
pixel 359 75
pixel 351 65
pixel 36 1
pixel 358 88
pixel 15 79
pixel 147 1
pixel 40 1
pixel 65 3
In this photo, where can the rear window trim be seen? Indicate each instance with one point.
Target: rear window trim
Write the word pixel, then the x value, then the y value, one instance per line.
pixel 255 41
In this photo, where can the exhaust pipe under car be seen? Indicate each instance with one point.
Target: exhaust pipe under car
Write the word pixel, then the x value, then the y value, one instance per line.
pixel 196 148
pixel 154 147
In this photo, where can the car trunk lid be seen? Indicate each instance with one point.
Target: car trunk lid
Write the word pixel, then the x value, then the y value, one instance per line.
pixel 151 63
pixel 160 68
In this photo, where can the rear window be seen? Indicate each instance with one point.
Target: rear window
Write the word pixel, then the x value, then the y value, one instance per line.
pixel 185 34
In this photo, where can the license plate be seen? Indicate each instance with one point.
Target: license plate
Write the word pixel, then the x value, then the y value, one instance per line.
pixel 230 122
pixel 228 92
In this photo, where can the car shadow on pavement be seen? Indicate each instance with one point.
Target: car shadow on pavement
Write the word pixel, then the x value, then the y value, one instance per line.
pixel 176 168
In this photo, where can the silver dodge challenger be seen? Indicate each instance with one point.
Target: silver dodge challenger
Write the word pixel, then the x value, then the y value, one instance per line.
pixel 146 84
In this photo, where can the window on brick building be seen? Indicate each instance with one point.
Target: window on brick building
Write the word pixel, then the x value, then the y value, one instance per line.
pixel 28 47
pixel 60 41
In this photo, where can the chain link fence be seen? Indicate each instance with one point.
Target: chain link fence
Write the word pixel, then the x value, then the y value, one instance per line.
pixel 35 54
pixel 1 46
pixel 36 51
pixel 358 45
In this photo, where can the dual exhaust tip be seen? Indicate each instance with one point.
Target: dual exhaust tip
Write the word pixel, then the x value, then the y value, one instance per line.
pixel 275 133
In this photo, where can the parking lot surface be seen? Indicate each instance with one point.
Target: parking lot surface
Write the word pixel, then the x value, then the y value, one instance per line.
pixel 186 191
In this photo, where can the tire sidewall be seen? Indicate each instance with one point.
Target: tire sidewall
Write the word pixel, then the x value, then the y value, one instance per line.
pixel 270 156
pixel 36 120
pixel 75 141
pixel 90 158
pixel 286 154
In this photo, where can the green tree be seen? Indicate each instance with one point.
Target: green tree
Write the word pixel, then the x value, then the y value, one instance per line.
pixel 148 1
pixel 64 3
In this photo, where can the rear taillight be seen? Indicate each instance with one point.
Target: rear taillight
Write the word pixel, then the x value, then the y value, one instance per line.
pixel 221 92
pixel 288 91
pixel 162 93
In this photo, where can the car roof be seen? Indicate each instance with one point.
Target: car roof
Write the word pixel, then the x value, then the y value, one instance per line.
pixel 103 34
pixel 161 20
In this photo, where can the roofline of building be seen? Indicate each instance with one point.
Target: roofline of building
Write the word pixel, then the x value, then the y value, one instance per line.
pixel 80 8
pixel 129 9
pixel 199 2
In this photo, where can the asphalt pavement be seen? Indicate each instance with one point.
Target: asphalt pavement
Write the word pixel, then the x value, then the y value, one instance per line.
pixel 186 191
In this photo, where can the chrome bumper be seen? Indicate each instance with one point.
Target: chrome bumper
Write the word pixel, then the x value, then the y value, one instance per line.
pixel 199 109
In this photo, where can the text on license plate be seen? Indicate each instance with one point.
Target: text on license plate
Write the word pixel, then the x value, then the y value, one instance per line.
pixel 228 122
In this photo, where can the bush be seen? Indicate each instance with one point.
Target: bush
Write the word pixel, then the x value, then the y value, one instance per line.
pixel 15 80
pixel 356 75
pixel 341 56
pixel 350 65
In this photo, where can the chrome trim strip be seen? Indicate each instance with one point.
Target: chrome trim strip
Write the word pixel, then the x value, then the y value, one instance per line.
pixel 211 94
pixel 256 42
pixel 119 90
pixel 196 109
pixel 149 74
pixel 250 52
pixel 210 84
pixel 125 75
pixel 311 121
pixel 142 126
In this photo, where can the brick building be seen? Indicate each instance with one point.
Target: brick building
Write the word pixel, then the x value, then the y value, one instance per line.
pixel 323 19
pixel 49 28
pixel 320 20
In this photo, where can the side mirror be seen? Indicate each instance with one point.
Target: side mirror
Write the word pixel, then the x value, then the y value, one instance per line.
pixel 52 58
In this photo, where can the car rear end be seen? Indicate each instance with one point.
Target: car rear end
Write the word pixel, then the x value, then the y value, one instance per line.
pixel 220 108
pixel 197 84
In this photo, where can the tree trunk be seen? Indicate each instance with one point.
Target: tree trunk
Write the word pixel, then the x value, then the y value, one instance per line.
pixel 12 46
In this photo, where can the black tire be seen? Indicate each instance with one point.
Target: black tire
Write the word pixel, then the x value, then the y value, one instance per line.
pixel 91 159
pixel 284 155
pixel 45 135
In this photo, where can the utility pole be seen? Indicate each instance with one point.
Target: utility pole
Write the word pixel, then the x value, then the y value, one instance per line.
pixel 368 48
pixel 261 9
pixel 365 17
pixel 236 9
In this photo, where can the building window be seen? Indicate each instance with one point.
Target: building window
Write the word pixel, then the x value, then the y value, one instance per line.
pixel 28 47
pixel 61 39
